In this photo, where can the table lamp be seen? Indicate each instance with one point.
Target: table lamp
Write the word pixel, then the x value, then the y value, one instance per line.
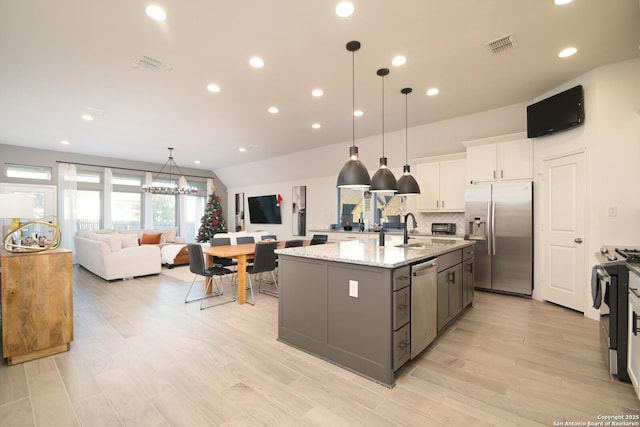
pixel 16 206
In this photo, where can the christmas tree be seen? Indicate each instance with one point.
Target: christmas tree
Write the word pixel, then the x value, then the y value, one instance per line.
pixel 213 220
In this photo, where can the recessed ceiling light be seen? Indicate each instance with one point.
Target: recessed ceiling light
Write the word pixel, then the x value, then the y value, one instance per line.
pixel 562 2
pixel 197 162
pixel 567 52
pixel 358 113
pixel 156 12
pixel 213 88
pixel 433 91
pixel 316 126
pixel 87 117
pixel 344 9
pixel 317 92
pixel 273 110
pixel 398 61
pixel 242 149
pixel 65 142
pixel 256 62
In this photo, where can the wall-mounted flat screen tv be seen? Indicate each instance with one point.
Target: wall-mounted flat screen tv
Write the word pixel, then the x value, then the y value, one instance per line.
pixel 556 113
pixel 264 210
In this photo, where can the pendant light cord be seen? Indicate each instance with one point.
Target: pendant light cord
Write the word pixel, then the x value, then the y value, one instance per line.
pixel 353 98
pixel 406 128
pixel 383 116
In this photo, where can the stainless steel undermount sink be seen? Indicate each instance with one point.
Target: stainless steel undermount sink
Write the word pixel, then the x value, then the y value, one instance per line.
pixel 414 245
pixel 427 245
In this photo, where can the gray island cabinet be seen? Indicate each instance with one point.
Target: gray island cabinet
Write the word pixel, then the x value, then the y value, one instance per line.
pixel 350 302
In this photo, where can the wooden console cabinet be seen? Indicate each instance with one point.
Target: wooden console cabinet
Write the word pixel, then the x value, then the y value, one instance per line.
pixel 37 304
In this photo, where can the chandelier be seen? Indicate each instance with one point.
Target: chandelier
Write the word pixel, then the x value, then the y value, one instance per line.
pixel 171 188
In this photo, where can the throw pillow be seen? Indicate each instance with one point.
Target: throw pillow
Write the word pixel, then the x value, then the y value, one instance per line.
pixel 150 239
pixel 129 240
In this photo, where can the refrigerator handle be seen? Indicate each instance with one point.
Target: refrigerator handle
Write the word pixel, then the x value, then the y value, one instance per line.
pixel 488 227
pixel 493 226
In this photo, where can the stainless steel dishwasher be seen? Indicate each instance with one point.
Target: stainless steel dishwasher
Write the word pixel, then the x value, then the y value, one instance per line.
pixel 424 305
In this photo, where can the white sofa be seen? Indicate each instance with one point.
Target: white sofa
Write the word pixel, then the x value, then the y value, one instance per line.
pixel 116 255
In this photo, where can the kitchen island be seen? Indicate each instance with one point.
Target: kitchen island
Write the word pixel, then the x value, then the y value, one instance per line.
pixel 350 302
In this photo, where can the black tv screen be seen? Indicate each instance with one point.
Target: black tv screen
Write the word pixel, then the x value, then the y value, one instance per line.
pixel 264 210
pixel 558 112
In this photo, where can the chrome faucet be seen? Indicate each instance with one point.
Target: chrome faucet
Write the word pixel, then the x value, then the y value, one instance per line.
pixel 406 228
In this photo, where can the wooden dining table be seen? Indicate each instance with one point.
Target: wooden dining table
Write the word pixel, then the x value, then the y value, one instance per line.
pixel 242 253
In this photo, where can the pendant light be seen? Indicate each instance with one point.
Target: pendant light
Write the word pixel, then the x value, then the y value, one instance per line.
pixel 407 184
pixel 383 180
pixel 353 174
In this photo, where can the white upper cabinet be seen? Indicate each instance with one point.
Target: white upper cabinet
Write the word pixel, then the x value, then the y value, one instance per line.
pixel 500 159
pixel 442 181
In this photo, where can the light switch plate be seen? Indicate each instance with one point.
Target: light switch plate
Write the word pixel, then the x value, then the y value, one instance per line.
pixel 353 288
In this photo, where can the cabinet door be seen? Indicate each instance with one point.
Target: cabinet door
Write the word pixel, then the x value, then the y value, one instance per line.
pixel 467 282
pixel 454 278
pixel 481 163
pixel 452 183
pixel 443 299
pixel 516 160
pixel 428 177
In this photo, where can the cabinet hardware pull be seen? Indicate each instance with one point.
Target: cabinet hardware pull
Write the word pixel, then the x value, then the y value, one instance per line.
pixel 437 203
pixel 494 174
pixel 470 268
pixel 501 173
pixel 443 204
pixel 402 306
pixel 402 345
pixel 635 323
pixel 403 277
pixel 452 277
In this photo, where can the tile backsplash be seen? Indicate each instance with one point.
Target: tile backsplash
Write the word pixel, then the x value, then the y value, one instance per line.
pixel 425 220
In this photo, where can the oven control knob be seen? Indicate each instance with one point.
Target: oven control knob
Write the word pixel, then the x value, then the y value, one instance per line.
pixel 604 250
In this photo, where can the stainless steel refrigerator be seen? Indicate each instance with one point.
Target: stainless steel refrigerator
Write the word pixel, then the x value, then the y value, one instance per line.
pixel 499 218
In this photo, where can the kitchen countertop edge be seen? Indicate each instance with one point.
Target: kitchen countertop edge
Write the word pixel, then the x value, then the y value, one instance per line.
pixel 368 253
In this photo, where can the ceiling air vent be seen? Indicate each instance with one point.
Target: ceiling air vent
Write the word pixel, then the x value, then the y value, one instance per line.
pixel 151 63
pixel 500 45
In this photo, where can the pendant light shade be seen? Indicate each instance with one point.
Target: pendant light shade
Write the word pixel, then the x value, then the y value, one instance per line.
pixel 353 174
pixel 383 180
pixel 407 184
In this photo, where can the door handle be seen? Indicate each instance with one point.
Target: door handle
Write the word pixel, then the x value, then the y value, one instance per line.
pixel 577 240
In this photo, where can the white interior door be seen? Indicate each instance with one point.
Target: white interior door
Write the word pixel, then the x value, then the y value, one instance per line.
pixel 564 231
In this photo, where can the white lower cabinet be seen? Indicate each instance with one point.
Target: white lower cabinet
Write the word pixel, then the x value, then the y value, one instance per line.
pixel 633 356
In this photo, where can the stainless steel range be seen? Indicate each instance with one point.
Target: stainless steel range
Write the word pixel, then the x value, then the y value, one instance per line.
pixel 611 294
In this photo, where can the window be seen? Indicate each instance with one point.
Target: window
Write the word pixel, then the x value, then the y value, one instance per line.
pixel 192 217
pixel 388 209
pixel 351 206
pixel 29 172
pixel 372 208
pixel 127 180
pixel 126 210
pixel 89 210
pixel 88 177
pixel 163 210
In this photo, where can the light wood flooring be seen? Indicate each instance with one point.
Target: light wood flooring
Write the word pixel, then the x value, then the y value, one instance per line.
pixel 142 357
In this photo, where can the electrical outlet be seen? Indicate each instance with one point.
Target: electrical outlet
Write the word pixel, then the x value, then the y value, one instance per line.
pixel 353 288
pixel 612 211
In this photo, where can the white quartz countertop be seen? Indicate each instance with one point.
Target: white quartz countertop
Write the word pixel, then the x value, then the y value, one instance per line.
pixel 367 252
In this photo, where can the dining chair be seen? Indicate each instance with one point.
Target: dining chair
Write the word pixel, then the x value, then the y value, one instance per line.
pixel 198 268
pixel 222 261
pixel 318 239
pixel 264 261
pixel 269 237
pixel 245 239
pixel 293 243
